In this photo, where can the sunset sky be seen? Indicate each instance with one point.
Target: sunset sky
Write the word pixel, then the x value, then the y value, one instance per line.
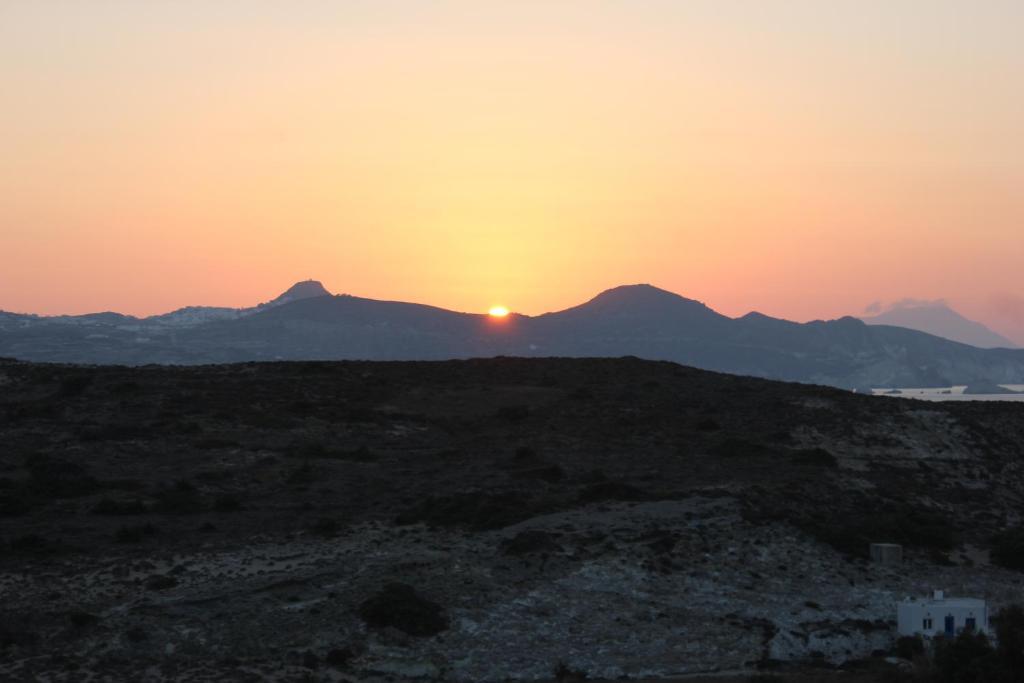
pixel 801 158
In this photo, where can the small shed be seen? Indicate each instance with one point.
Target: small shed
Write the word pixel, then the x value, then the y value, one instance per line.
pixel 886 553
pixel 941 616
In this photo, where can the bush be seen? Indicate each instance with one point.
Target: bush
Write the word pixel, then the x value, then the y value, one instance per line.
pixel 107 506
pixel 611 490
pixel 159 582
pixel 1009 625
pixel 180 499
pixel 227 503
pixel 1008 548
pixel 325 527
pixel 56 478
pixel 74 385
pixel 16 631
pixel 708 424
pixel 968 658
pixel 14 503
pixel 516 413
pixel 815 457
pixel 340 656
pixel 135 534
pixel 314 450
pixel 563 673
pixel 29 543
pixel 530 542
pixel 399 606
pixel 909 647
pixel 80 619
pixel 478 511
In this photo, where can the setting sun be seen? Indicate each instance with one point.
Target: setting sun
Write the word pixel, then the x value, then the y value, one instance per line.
pixel 498 312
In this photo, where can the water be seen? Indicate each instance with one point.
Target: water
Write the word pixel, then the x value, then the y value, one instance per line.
pixel 951 393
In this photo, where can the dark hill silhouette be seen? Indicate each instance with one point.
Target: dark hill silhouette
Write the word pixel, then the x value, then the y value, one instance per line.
pixel 306 323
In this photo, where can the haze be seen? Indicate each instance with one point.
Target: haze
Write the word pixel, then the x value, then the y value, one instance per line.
pixel 799 158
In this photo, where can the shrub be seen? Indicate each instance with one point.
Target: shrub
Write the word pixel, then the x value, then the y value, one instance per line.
pixel 28 543
pixel 135 534
pixel 14 503
pixel 340 656
pixel 1008 548
pixel 227 503
pixel 1009 625
pixel 399 606
pixel 611 490
pixel 968 658
pixel 74 385
pixel 325 527
pixel 708 424
pixel 16 631
pixel 106 506
pixel 563 673
pixel 136 634
pixel 909 647
pixel 159 582
pixel 56 478
pixel 530 542
pixel 314 450
pixel 182 498
pixel 478 511
pixel 815 457
pixel 514 413
pixel 80 619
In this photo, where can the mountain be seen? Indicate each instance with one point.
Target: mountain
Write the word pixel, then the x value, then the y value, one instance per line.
pixel 937 318
pixel 635 320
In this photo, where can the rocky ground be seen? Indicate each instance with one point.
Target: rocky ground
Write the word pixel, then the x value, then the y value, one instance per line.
pixel 478 521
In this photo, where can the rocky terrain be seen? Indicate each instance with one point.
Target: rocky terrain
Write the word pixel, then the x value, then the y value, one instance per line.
pixel 479 520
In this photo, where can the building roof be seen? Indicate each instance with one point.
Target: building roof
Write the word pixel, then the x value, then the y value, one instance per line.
pixel 975 603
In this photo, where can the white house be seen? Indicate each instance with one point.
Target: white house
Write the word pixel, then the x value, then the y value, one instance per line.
pixel 941 616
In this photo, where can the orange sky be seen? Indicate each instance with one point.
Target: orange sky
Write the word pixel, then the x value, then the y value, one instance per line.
pixel 797 157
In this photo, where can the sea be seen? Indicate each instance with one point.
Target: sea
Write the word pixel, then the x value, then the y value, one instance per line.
pixel 951 393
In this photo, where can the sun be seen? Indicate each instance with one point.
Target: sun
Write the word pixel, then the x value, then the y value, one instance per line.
pixel 498 312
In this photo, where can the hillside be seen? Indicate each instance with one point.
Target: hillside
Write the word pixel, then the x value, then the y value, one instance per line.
pixel 622 517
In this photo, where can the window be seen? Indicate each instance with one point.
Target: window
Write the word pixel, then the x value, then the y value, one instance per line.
pixel 927 625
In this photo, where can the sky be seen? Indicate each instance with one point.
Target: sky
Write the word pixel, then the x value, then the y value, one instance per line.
pixel 800 158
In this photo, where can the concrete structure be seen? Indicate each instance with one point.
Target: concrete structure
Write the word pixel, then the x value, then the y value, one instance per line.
pixel 886 553
pixel 941 616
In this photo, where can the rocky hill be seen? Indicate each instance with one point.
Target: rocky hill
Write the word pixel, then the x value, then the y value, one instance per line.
pixel 479 520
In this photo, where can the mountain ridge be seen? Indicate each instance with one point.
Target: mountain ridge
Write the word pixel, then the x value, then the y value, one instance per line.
pixel 631 320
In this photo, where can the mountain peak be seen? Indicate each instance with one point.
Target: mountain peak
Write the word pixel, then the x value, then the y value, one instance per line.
pixel 641 301
pixel 640 294
pixel 307 289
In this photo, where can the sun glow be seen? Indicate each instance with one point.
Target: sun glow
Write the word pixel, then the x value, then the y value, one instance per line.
pixel 498 312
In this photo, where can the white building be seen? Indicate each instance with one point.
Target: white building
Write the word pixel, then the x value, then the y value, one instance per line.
pixel 941 616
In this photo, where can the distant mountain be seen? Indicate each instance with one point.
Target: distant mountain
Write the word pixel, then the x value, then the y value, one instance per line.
pixel 306 323
pixel 936 317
